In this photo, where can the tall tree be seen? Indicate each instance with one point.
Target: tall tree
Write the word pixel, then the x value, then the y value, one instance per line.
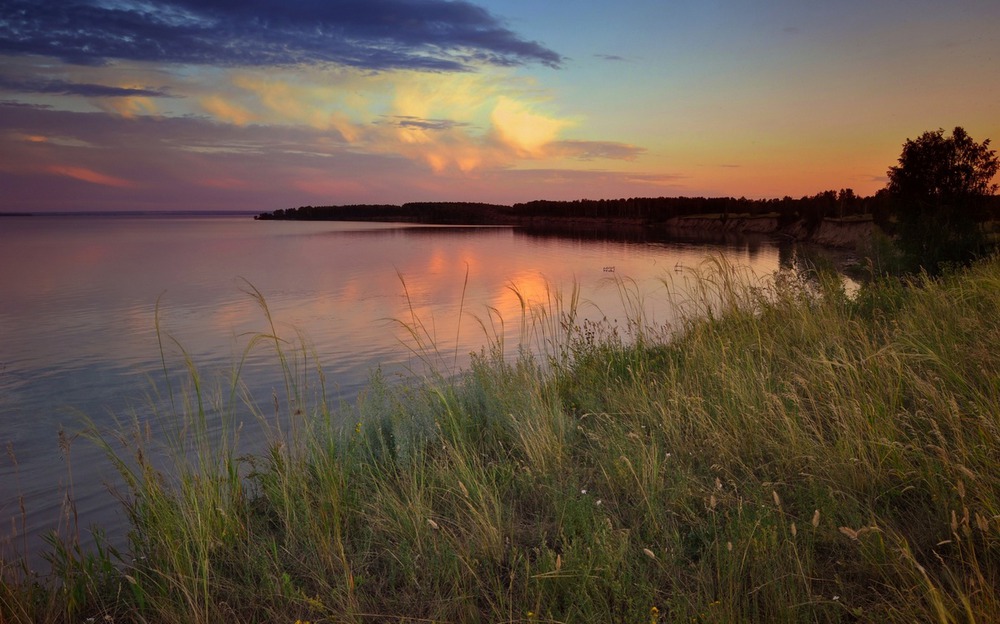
pixel 940 188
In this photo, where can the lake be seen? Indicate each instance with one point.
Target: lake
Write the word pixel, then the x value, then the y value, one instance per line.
pixel 86 302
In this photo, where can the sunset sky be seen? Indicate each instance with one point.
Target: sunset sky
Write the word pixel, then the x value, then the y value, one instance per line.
pixel 265 104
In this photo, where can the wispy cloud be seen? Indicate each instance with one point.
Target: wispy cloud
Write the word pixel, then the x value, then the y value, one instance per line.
pixel 158 162
pixel 591 150
pixel 575 183
pixel 227 111
pixel 89 175
pixel 611 57
pixel 435 35
pixel 63 87
pixel 411 121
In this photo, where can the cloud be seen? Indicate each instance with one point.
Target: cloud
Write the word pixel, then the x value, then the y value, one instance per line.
pixel 89 175
pixel 434 35
pixel 227 111
pixel 594 177
pixel 530 184
pixel 523 130
pixel 194 161
pixel 130 107
pixel 62 87
pixel 155 163
pixel 590 150
pixel 411 121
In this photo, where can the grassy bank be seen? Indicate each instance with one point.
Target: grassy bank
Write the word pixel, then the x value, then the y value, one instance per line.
pixel 791 455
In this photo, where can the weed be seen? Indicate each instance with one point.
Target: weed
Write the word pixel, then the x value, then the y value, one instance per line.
pixel 784 454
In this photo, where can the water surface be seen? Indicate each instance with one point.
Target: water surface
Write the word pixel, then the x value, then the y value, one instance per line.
pixel 82 300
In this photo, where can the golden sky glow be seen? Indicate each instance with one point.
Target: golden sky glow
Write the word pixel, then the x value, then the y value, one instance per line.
pixel 527 132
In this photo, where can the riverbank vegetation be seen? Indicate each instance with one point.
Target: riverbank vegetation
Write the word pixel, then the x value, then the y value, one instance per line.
pixel 786 454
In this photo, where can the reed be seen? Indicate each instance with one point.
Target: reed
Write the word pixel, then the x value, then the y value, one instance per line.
pixel 785 454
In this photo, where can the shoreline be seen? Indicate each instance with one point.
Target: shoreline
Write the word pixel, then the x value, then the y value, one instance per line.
pixel 829 218
pixel 829 232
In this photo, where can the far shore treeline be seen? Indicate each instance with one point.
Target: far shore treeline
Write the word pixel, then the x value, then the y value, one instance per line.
pixel 638 210
pixel 809 211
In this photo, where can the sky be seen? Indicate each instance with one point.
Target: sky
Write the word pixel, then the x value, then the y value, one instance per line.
pixel 265 104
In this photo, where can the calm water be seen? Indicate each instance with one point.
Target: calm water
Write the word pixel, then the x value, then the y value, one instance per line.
pixel 79 299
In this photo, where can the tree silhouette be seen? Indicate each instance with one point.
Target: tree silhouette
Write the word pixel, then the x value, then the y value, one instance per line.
pixel 940 189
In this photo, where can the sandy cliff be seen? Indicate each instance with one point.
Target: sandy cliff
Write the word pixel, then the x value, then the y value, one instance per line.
pixel 831 232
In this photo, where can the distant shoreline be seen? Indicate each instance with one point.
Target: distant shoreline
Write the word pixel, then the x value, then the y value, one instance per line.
pixel 824 219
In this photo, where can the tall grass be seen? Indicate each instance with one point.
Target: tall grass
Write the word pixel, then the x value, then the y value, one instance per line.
pixel 787 454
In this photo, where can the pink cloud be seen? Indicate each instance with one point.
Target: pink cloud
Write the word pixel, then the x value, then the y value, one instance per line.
pixel 89 175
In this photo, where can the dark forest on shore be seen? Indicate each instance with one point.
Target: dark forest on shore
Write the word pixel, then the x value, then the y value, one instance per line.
pixel 639 210
pixel 807 211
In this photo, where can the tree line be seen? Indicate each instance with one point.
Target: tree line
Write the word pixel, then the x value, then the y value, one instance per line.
pixel 937 208
pixel 643 210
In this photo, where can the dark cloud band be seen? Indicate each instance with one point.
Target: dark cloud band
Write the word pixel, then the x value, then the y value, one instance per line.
pixel 434 35
pixel 419 123
pixel 61 87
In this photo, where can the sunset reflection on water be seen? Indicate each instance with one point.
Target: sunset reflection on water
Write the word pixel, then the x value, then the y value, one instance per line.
pixel 84 297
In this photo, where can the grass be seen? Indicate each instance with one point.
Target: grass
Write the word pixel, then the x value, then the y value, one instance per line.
pixel 788 454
